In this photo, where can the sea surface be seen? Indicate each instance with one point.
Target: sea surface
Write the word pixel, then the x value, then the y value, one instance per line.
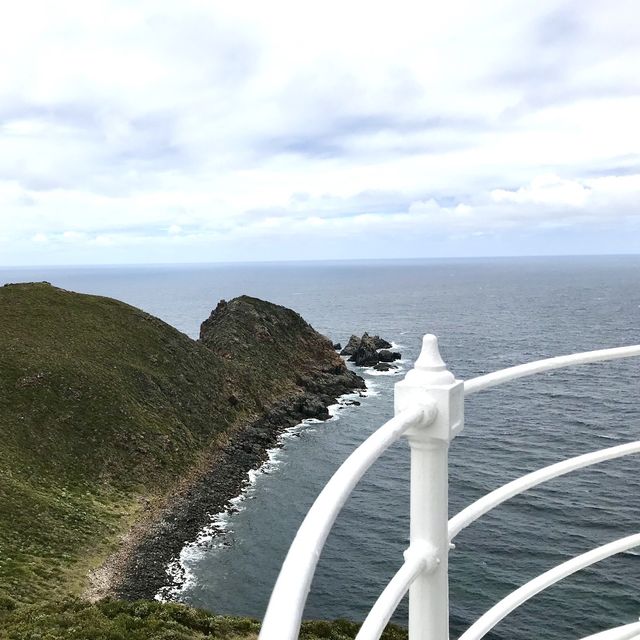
pixel 488 314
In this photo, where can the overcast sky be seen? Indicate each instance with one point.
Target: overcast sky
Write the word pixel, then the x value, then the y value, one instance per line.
pixel 193 131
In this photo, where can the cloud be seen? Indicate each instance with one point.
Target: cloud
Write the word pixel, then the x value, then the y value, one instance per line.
pixel 546 190
pixel 128 129
pixel 546 202
pixel 569 56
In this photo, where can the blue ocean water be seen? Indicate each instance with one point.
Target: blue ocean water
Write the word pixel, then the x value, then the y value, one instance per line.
pixel 488 314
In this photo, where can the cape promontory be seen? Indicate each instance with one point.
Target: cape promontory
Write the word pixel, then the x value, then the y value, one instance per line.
pixel 116 426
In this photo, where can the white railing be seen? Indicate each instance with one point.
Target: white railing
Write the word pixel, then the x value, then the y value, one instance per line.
pixel 429 408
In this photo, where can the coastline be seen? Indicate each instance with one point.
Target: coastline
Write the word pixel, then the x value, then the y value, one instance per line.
pixel 138 569
pixel 178 574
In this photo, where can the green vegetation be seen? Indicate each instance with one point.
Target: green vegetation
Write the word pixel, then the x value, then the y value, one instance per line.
pixel 101 408
pixel 104 412
pixel 117 620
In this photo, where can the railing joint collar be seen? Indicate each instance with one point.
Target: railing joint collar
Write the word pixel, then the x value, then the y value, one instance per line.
pixel 424 552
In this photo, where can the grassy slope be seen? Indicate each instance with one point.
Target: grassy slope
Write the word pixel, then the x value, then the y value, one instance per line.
pixel 95 397
pixel 102 407
pixel 117 620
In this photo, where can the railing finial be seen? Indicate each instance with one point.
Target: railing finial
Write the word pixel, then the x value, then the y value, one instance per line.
pixel 430 368
pixel 430 358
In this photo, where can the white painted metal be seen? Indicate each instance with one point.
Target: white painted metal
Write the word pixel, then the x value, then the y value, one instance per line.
pixel 284 613
pixel 429 510
pixel 416 561
pixel 505 375
pixel 397 588
pixel 625 632
pixel 493 499
pixel 429 405
pixel 490 619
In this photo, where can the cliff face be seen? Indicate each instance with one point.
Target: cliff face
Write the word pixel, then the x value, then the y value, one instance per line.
pixel 109 416
pixel 277 350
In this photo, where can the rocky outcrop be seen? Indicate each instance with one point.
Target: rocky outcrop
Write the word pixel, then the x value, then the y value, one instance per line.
pixel 352 345
pixel 278 347
pixel 366 355
pixel 381 343
pixel 388 356
pixel 367 351
pixel 385 366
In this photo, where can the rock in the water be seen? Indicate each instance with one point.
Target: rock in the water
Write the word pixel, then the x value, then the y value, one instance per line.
pixel 381 343
pixel 385 366
pixel 352 345
pixel 388 356
pixel 364 351
pixel 366 355
pixel 337 346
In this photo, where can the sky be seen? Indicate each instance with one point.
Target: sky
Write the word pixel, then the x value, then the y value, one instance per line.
pixel 193 131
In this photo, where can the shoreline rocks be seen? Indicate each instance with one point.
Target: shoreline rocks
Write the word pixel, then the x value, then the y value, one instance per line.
pixel 225 479
pixel 388 356
pixel 295 375
pixel 351 346
pixel 385 366
pixel 366 355
pixel 369 351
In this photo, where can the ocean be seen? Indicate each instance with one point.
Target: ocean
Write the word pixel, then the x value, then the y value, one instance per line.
pixel 488 314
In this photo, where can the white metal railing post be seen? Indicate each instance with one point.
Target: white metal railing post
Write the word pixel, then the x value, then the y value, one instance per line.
pixel 430 381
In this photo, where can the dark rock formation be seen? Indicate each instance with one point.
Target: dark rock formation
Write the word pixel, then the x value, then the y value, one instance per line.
pixel 366 355
pixel 337 346
pixel 380 343
pixel 385 366
pixel 369 350
pixel 312 406
pixel 282 351
pixel 352 345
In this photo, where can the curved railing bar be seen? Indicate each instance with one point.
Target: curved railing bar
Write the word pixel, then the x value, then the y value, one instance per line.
pixel 389 599
pixel 491 618
pixel 514 488
pixel 397 588
pixel 538 366
pixel 284 613
pixel 625 632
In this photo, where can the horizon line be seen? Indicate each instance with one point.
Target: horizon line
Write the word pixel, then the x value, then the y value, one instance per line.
pixel 317 261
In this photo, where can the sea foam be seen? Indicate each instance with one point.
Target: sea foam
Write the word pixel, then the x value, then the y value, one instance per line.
pixel 216 532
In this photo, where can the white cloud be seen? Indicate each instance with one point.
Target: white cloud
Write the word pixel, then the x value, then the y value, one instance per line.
pixel 547 190
pixel 171 124
pixel 74 236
